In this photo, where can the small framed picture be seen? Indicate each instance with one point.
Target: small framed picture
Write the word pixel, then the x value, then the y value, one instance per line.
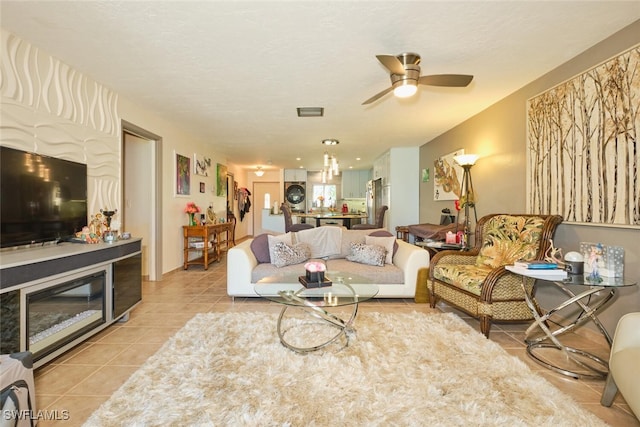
pixel 202 187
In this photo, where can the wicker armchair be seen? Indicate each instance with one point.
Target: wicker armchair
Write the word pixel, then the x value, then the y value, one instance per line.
pixel 476 281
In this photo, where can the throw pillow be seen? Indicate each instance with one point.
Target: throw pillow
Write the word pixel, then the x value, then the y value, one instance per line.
pixel 286 238
pixel 385 233
pixel 284 254
pixel 385 242
pixel 260 248
pixel 367 254
pixel 508 238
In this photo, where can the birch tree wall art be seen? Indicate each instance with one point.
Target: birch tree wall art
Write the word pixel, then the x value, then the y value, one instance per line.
pixel 582 145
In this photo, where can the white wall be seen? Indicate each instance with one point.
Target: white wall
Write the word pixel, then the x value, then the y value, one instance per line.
pixel 49 107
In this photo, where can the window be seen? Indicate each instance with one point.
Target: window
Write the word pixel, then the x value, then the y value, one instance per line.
pixel 327 191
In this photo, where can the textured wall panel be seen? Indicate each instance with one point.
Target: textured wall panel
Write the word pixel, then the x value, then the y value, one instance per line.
pixel 50 108
pixel 16 125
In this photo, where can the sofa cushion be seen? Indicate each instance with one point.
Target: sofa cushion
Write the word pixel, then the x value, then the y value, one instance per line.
pixel 349 237
pixel 286 238
pixel 386 242
pixel 467 277
pixel 367 254
pixel 261 271
pixel 385 233
pixel 284 254
pixel 388 274
pixel 260 248
pixel 508 238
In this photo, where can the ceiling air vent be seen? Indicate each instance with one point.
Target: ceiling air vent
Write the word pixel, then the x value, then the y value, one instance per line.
pixel 310 111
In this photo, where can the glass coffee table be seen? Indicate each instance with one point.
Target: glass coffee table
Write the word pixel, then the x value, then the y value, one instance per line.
pixel 347 290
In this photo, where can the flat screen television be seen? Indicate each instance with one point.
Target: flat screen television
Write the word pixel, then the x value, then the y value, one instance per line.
pixel 42 198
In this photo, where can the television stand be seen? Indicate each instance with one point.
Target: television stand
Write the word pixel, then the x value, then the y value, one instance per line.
pixel 54 297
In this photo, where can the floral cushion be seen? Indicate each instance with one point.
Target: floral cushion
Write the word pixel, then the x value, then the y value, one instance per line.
pixel 508 238
pixel 467 277
pixel 284 254
pixel 367 254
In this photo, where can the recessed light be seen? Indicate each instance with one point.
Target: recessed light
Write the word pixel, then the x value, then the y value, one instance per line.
pixel 357 158
pixel 298 159
pixel 310 111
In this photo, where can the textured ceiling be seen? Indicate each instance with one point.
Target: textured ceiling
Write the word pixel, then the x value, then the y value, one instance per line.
pixel 234 72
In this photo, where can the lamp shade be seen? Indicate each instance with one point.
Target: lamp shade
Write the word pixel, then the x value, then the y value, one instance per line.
pixel 466 159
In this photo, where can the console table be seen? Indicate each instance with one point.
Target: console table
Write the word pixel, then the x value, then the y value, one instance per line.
pixel 204 233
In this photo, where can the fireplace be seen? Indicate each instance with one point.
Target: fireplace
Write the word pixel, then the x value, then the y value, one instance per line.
pixel 57 315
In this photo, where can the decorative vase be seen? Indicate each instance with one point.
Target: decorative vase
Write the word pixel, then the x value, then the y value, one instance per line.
pixel 192 219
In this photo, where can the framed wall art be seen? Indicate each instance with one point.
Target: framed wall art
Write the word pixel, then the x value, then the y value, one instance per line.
pixel 201 165
pixel 221 180
pixel 182 175
pixel 447 177
pixel 425 175
pixel 582 152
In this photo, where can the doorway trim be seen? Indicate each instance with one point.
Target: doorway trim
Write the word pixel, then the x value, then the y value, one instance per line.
pixel 156 210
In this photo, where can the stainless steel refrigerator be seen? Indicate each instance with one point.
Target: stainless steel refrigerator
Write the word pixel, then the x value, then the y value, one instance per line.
pixel 374 199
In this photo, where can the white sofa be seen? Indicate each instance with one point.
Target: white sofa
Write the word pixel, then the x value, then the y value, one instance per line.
pixel 624 366
pixel 397 280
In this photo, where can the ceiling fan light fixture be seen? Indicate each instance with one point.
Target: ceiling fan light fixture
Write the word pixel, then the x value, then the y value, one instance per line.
pixel 405 89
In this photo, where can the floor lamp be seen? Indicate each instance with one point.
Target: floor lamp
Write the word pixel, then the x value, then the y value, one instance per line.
pixel 467 196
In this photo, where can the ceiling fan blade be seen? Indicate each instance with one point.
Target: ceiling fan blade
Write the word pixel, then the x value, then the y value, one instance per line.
pixel 453 80
pixel 378 96
pixel 392 63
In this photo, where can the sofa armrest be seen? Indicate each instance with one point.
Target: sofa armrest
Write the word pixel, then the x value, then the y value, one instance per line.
pixel 410 258
pixel 240 264
pixel 625 335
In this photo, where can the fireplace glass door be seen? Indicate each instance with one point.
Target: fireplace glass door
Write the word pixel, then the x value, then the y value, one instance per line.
pixel 59 314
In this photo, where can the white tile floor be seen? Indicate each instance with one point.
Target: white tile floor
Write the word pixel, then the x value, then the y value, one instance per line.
pixel 77 382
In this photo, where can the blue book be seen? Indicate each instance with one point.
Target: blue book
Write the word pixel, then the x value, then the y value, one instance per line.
pixel 537 265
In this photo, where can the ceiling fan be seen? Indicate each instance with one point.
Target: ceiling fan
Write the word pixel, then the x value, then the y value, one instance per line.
pixel 405 76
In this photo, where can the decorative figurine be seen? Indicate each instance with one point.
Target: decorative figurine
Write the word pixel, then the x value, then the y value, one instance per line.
pixel 554 254
pixel 594 258
pixel 108 215
pixel 211 215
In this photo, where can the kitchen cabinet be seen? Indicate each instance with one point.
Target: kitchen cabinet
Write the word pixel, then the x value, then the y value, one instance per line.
pixel 295 175
pixel 354 183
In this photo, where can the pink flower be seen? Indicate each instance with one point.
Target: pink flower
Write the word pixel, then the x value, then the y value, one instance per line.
pixel 315 266
pixel 191 208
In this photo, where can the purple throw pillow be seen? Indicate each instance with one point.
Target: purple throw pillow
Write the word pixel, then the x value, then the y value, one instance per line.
pixel 385 233
pixel 260 248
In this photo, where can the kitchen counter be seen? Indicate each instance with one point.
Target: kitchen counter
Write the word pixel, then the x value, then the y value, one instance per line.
pixel 347 219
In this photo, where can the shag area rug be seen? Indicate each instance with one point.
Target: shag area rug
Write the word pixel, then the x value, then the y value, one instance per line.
pixel 412 369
